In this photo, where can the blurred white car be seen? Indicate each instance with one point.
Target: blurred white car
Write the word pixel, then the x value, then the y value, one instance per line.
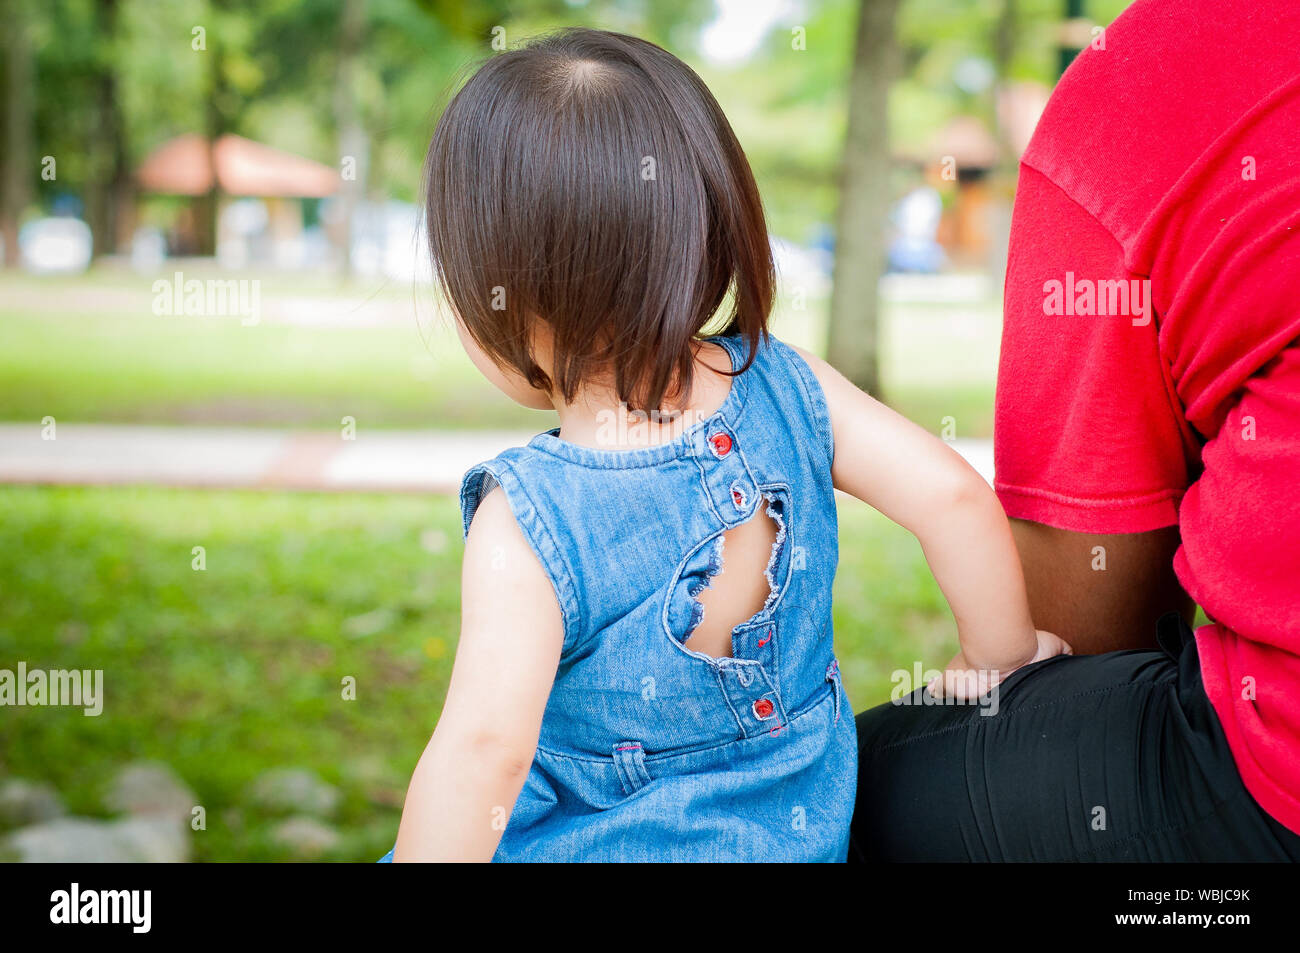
pixel 55 246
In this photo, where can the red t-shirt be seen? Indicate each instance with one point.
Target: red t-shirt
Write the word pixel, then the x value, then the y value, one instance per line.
pixel 1150 370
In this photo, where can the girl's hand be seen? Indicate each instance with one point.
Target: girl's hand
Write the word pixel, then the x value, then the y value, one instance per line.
pixel 962 681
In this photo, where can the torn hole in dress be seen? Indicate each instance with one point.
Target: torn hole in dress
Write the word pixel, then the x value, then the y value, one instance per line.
pixel 711 569
pixel 776 512
pixel 751 595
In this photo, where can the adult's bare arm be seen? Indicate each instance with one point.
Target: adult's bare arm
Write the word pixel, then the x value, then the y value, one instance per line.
pixel 1100 609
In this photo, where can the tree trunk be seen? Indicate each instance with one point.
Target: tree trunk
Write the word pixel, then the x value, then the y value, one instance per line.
pixel 864 200
pixel 206 205
pixel 218 120
pixel 351 137
pixel 1006 36
pixel 110 189
pixel 16 160
pixel 1006 33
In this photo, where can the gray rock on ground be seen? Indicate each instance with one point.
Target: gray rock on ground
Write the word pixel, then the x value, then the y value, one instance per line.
pixel 155 839
pixel 150 788
pixel 28 802
pixel 305 837
pixel 294 791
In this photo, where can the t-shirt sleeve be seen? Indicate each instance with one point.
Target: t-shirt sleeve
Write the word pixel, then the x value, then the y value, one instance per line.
pixel 1086 433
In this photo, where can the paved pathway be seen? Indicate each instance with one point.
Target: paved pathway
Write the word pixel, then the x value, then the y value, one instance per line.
pixel 379 460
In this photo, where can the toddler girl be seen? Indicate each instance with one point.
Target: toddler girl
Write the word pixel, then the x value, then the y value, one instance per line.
pixel 645 668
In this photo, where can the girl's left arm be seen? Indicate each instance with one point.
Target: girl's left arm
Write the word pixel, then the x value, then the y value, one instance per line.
pixel 466 783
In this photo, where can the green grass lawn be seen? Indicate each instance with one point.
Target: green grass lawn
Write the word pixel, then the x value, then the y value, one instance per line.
pixel 236 669
pixel 89 353
pixel 90 349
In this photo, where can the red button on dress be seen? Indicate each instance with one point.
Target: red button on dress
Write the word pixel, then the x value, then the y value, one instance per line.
pixel 763 708
pixel 721 444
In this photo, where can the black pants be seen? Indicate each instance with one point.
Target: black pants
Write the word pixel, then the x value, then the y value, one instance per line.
pixel 1115 757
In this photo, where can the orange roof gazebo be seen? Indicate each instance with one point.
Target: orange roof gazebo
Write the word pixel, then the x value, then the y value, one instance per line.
pixel 183 166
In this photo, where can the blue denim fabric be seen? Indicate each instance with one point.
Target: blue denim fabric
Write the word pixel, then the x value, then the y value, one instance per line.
pixel 650 751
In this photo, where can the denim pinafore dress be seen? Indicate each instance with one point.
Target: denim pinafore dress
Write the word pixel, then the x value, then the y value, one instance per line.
pixel 650 751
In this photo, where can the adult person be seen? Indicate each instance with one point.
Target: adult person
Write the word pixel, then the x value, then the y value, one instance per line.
pixel 1148 452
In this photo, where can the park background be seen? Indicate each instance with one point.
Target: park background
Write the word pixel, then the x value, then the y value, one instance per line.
pixel 884 135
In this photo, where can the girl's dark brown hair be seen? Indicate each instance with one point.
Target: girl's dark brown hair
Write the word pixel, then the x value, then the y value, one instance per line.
pixel 590 181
